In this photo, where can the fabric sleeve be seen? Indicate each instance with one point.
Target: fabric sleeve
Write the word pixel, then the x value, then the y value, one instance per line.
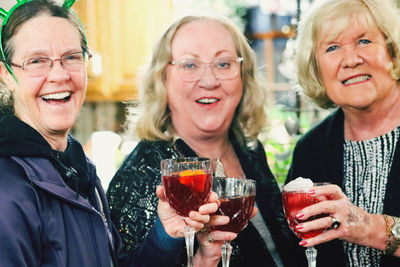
pixel 158 249
pixel 132 198
pixel 20 223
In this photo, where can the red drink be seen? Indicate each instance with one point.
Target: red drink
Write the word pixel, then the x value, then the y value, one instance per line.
pixel 293 202
pixel 238 210
pixel 187 192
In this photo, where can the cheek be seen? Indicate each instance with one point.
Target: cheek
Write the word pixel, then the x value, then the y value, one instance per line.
pixel 235 88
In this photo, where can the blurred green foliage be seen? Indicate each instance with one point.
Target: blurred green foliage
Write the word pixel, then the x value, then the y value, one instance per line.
pixel 279 150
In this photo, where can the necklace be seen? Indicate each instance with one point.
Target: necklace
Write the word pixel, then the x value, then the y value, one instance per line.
pixel 219 170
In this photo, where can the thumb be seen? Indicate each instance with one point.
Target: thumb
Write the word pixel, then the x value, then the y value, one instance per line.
pixel 160 192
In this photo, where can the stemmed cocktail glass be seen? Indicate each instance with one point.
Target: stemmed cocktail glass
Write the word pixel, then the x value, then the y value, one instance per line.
pixel 295 198
pixel 187 185
pixel 237 202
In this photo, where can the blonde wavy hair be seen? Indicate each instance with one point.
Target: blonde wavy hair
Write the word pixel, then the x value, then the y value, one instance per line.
pixel 327 19
pixel 154 122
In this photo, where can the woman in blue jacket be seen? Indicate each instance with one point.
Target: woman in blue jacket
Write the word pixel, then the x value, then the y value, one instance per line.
pixel 53 209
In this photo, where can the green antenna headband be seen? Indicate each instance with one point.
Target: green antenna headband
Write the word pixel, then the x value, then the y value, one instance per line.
pixel 6 15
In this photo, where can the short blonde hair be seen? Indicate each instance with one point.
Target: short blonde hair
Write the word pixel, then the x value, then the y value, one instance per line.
pixel 335 16
pixel 154 121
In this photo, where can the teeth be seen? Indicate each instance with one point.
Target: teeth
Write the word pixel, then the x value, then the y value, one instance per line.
pixel 207 100
pixel 357 79
pixel 57 96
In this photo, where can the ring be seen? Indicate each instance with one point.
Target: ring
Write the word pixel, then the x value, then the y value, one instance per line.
pixel 209 238
pixel 335 223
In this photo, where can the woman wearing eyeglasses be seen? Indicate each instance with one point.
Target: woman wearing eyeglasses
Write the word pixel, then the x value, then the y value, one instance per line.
pixel 200 97
pixel 53 211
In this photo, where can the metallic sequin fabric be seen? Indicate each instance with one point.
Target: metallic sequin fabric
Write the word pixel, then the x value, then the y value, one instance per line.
pixel 133 202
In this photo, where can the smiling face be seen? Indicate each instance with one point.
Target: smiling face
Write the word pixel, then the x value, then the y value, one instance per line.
pixel 49 103
pixel 204 107
pixel 354 67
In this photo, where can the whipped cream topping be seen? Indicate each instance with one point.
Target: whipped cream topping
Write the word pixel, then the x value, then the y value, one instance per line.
pixel 299 184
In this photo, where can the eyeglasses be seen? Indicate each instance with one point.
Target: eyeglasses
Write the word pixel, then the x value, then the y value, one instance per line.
pixel 41 66
pixel 191 70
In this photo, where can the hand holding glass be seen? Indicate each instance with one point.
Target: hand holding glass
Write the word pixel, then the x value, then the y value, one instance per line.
pixel 187 185
pixel 293 202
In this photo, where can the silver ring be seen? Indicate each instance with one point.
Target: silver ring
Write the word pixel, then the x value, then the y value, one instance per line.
pixel 335 223
pixel 209 238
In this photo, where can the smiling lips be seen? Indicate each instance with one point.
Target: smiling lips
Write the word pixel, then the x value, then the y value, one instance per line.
pixel 357 79
pixel 64 96
pixel 207 100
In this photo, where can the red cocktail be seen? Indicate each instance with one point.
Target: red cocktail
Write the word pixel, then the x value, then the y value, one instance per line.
pixel 187 184
pixel 293 202
pixel 295 197
pixel 237 202
pixel 238 209
pixel 187 191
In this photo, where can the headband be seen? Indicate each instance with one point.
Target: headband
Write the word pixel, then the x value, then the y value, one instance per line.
pixel 6 15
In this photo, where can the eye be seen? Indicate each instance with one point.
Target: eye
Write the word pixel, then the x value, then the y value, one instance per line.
pixel 189 65
pixel 364 41
pixel 332 48
pixel 223 64
pixel 37 61
pixel 75 57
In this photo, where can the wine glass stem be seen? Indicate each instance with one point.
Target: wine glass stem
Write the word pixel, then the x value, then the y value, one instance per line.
pixel 311 254
pixel 226 251
pixel 189 240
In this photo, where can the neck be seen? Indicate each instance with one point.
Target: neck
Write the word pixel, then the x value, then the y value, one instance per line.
pixel 214 147
pixel 373 121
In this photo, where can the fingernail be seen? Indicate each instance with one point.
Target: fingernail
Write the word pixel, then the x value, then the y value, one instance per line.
pixel 303 243
pixel 299 215
pixel 311 192
pixel 299 227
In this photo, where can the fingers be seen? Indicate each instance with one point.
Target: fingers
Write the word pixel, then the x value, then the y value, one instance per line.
pixel 216 220
pixel 160 192
pixel 208 208
pixel 321 223
pixel 321 238
pixel 332 199
pixel 331 191
pixel 213 197
pixel 197 220
pixel 197 224
pixel 222 236
pixel 253 212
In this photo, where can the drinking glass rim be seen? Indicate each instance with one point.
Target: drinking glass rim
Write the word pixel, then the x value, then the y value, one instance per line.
pixel 185 159
pixel 235 178
pixel 306 187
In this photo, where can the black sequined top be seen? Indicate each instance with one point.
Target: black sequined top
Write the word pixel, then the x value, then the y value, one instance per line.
pixel 133 202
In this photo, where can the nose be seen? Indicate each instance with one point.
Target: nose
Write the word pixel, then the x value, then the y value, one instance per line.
pixel 208 80
pixel 57 72
pixel 351 57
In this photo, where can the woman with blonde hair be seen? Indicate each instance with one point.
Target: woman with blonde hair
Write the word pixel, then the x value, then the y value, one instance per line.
pixel 201 97
pixel 348 58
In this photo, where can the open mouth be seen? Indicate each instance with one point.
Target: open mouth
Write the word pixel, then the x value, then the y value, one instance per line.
pixel 58 97
pixel 357 79
pixel 207 100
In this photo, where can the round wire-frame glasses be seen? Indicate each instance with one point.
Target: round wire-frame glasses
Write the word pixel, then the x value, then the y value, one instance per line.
pixel 191 70
pixel 41 66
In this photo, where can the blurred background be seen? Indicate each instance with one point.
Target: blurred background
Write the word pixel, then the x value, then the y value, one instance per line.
pixel 121 34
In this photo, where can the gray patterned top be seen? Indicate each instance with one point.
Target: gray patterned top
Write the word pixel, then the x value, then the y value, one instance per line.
pixel 367 165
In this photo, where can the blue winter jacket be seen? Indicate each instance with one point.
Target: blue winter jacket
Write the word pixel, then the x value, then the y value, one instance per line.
pixel 45 223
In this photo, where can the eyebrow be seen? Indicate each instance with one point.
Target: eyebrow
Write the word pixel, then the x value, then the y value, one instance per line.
pixel 216 54
pixel 45 53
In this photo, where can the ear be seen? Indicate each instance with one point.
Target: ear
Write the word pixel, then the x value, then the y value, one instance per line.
pixel 7 77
